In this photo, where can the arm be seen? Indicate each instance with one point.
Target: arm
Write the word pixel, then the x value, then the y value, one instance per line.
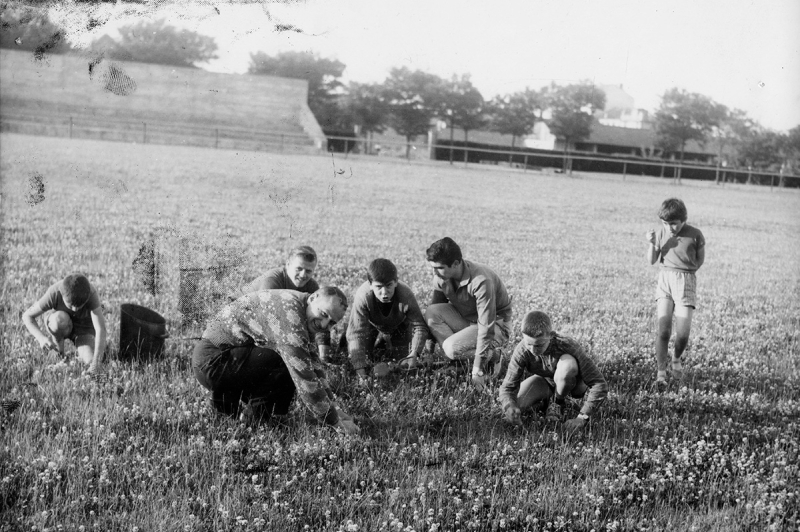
pixel 438 296
pixel 595 381
pixel 510 386
pixel 487 315
pixel 100 338
pixel 653 251
pixel 29 319
pixel 358 332
pixel 416 321
pixel 700 255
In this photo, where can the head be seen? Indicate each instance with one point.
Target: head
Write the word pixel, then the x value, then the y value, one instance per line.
pixel 325 308
pixel 301 264
pixel 76 291
pixel 537 330
pixel 673 215
pixel 382 276
pixel 444 256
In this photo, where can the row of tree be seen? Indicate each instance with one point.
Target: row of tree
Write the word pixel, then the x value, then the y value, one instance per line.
pixel 409 100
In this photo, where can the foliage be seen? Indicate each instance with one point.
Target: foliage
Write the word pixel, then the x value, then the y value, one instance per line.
pixel 157 42
pixel 685 116
pixel 142 450
pixel 413 97
pixel 366 106
pixel 461 105
pixel 322 75
pixel 26 28
pixel 572 110
pixel 515 114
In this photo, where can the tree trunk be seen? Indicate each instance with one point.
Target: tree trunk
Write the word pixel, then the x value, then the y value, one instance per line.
pixel 408 148
pixel 466 149
pixel 680 164
pixel 451 143
pixel 511 155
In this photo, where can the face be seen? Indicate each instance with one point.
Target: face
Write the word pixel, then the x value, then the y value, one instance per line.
pixel 71 306
pixel 384 292
pixel 443 271
pixel 300 271
pixel 674 226
pixel 537 344
pixel 323 312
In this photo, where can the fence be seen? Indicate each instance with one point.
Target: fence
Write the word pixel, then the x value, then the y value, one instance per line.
pixel 530 159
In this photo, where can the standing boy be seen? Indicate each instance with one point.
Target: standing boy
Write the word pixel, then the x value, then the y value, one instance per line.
pixel 297 274
pixel 680 250
pixel 256 351
pixel 470 311
pixel 73 312
pixel 385 311
pixel 558 365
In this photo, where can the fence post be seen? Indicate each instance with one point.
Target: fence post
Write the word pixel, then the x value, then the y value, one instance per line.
pixel 771 182
pixel 144 132
pixel 525 170
pixel 282 143
pixel 624 169
pixel 216 138
pixel 70 127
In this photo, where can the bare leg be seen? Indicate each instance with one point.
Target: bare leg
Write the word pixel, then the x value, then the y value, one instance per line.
pixel 532 391
pixel 84 344
pixel 664 310
pixel 683 325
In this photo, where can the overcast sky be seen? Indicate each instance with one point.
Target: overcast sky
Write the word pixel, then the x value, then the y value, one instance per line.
pixel 742 53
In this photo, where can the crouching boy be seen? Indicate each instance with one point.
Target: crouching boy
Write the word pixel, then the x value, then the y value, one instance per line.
pixel 558 366
pixel 385 314
pixel 72 311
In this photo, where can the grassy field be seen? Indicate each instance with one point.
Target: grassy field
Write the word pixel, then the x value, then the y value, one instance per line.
pixel 141 451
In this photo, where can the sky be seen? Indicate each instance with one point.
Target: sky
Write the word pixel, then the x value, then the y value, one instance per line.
pixel 742 53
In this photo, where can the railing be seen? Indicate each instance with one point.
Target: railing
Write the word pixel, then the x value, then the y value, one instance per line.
pixel 559 161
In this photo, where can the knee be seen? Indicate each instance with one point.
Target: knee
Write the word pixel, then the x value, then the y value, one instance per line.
pixel 433 314
pixel 567 370
pixel 449 348
pixel 664 332
pixel 59 324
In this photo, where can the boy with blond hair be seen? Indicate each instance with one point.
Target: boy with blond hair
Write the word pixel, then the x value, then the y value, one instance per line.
pixel 72 311
pixel 558 366
pixel 679 248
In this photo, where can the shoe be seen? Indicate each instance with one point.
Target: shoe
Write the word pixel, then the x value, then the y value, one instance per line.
pixel 554 412
pixel 677 369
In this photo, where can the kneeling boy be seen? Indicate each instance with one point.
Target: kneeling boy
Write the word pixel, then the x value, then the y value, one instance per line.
pixel 73 312
pixel 385 311
pixel 559 366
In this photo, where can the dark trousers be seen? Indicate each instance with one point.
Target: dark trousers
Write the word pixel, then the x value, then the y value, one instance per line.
pixel 244 374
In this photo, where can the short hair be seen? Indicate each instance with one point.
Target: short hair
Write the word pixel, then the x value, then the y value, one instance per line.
pixel 333 291
pixel 673 209
pixel 535 323
pixel 306 253
pixel 444 251
pixel 381 271
pixel 76 289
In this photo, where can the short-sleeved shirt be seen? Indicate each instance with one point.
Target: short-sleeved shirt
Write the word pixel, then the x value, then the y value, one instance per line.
pixel 523 360
pixel 679 252
pixel 480 297
pixel 368 314
pixel 276 319
pixel 81 319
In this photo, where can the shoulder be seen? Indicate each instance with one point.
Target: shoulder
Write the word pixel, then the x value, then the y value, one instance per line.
pixel 362 293
pixel 695 233
pixel 274 273
pixel 404 290
pixel 567 344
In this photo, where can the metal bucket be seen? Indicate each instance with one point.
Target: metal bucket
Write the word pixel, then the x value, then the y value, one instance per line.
pixel 141 333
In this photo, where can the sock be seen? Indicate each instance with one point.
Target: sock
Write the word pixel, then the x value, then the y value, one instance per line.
pixel 661 375
pixel 677 364
pixel 559 399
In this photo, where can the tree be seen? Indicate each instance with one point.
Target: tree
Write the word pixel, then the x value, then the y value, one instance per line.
pixel 412 98
pixel 572 110
pixel 31 30
pixel 366 105
pixel 762 149
pixel 460 104
pixel 515 114
pixel 157 42
pixel 685 116
pixel 322 75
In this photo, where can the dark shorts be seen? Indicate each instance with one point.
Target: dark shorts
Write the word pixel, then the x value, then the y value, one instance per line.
pixel 243 374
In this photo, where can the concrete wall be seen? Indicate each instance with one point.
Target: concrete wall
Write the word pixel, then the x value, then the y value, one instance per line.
pixel 120 91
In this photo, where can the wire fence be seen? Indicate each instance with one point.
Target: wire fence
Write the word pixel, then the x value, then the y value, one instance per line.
pixel 524 159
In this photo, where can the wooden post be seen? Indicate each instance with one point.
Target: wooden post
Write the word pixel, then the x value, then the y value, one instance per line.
pixel 771 182
pixel 624 169
pixel 70 127
pixel 216 138
pixel 345 146
pixel 526 164
pixel 144 132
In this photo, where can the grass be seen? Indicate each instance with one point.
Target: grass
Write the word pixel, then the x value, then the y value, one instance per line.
pixel 142 451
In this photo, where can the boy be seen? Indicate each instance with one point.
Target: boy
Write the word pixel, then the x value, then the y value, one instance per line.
pixel 559 366
pixel 470 310
pixel 297 274
pixel 256 350
pixel 680 249
pixel 74 312
pixel 385 311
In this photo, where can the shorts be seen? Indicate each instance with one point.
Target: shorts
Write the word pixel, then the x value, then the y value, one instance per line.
pixel 680 287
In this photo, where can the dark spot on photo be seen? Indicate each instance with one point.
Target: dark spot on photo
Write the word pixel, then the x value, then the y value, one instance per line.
pixel 117 81
pixel 287 27
pixel 35 193
pixel 42 49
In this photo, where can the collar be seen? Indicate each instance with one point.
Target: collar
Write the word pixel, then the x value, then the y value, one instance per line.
pixel 466 275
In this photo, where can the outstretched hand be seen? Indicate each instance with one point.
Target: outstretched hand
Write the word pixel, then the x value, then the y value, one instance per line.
pixel 574 424
pixel 347 426
pixel 651 236
pixel 513 415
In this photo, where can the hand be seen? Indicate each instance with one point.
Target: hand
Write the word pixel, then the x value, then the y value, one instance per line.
pixel 346 426
pixel 363 378
pixel 651 237
pixel 574 424
pixel 479 380
pixel 47 344
pixel 324 353
pixel 513 415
